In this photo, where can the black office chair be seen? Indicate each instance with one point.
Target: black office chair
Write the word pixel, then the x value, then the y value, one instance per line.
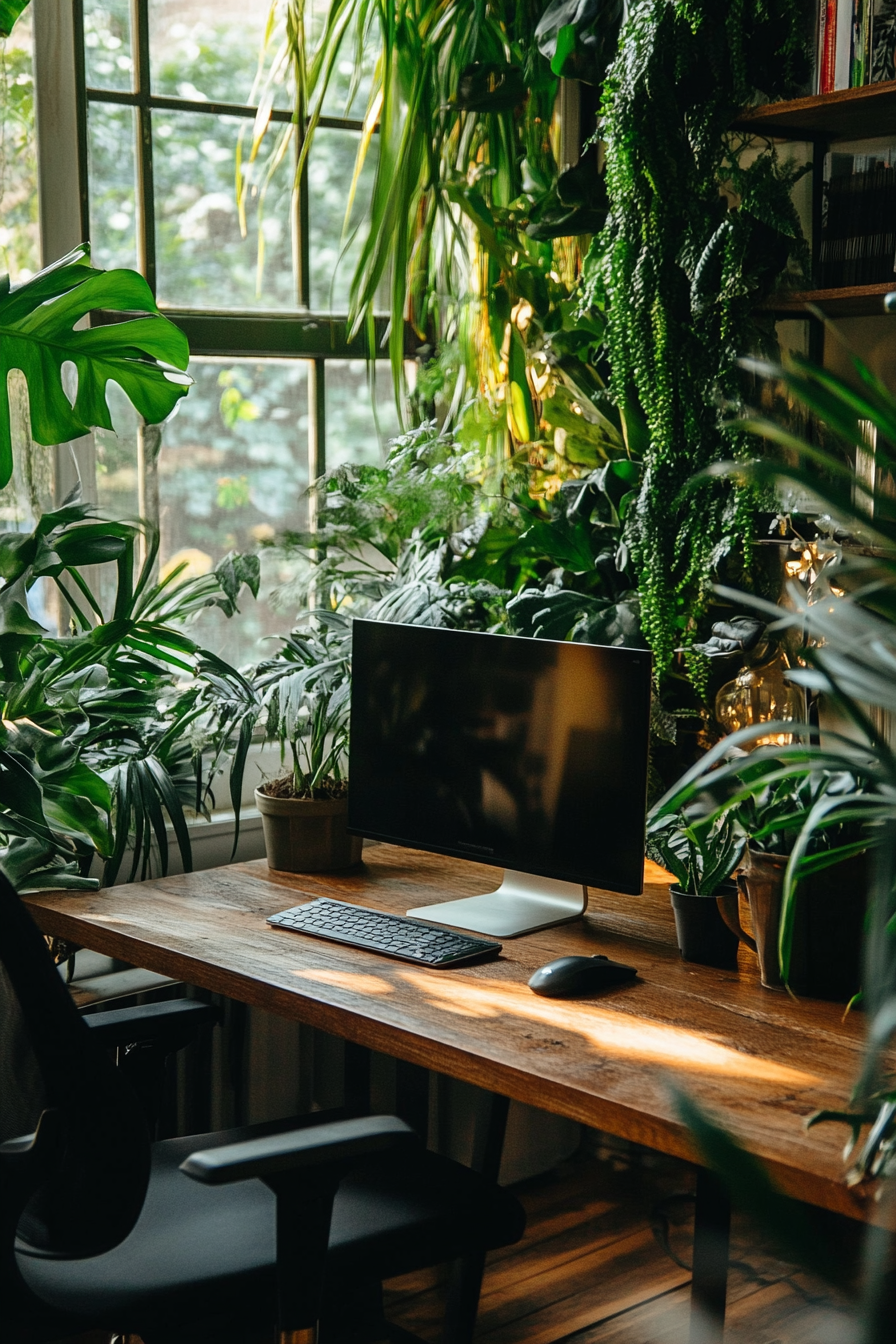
pixel 100 1229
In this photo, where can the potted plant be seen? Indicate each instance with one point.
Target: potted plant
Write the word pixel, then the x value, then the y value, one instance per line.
pixel 305 690
pixel 121 726
pixel 799 885
pixel 702 855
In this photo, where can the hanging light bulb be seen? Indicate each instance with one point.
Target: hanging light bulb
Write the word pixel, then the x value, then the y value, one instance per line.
pixel 758 695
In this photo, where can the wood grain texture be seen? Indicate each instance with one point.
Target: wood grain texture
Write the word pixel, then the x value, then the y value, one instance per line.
pixel 848 301
pixel 846 114
pixel 588 1269
pixel 759 1061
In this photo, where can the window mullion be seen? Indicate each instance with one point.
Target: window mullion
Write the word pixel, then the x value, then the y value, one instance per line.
pixel 146 232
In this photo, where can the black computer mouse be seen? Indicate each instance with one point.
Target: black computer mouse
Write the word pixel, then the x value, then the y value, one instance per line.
pixel 576 977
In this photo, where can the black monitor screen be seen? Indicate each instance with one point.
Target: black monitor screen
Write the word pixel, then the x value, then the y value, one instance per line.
pixel 524 753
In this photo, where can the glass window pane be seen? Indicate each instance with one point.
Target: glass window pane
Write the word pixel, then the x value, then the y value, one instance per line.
pixel 19 244
pixel 213 57
pixel 111 168
pixel 108 60
pixel 233 470
pixel 201 257
pixel 358 425
pixel 334 250
pixel 116 458
pixel 340 101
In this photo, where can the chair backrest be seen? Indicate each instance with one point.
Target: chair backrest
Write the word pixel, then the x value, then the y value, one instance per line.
pixel 91 1202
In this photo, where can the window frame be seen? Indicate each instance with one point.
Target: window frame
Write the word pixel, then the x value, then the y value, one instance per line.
pixel 63 98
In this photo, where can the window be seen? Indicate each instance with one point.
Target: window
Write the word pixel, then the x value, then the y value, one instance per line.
pixel 164 94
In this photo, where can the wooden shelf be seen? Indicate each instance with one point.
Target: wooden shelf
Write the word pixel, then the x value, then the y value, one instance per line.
pixel 852 301
pixel 848 114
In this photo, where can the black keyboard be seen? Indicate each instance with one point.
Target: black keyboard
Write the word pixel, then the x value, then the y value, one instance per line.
pixel 393 935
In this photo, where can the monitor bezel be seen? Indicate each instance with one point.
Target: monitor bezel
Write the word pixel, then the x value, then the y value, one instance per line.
pixel 622 651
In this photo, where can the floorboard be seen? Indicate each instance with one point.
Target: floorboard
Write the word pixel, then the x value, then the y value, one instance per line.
pixel 599 1264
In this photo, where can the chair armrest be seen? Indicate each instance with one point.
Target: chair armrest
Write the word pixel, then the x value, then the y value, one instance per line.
pixel 172 1024
pixel 337 1143
pixel 303 1167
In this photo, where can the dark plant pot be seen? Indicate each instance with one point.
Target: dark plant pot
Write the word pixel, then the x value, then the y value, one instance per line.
pixel 826 956
pixel 830 923
pixel 703 935
pixel 307 835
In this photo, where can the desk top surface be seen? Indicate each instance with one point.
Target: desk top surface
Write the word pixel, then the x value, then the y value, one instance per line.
pixel 756 1059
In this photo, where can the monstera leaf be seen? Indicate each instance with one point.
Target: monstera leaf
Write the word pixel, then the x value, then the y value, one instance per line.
pixel 9 12
pixel 145 355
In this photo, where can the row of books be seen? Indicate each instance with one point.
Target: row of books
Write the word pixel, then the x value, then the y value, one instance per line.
pixel 856 43
pixel 858 225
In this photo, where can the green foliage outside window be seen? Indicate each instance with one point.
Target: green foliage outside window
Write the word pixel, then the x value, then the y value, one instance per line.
pixel 18 159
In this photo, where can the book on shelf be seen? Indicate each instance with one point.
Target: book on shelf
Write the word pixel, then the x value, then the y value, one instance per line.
pixel 855 43
pixel 858 223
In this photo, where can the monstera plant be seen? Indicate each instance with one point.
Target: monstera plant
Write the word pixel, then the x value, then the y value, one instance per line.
pixel 145 355
pixel 9 12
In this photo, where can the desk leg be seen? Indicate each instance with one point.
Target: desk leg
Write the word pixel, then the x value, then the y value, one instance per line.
pixel 712 1225
pixel 412 1096
pixel 466 1274
pixel 356 1079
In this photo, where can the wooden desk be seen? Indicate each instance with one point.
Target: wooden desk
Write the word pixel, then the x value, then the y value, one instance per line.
pixel 757 1060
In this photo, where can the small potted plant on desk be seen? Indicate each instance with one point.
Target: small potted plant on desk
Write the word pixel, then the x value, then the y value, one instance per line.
pixel 702 854
pixel 305 690
pixel 803 871
pixel 804 885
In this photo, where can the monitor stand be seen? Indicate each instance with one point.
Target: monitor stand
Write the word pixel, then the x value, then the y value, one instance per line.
pixel 522 904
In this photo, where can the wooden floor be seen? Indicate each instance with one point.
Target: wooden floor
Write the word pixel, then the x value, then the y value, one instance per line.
pixel 591 1268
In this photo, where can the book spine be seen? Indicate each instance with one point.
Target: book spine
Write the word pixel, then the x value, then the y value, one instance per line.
pixel 843 48
pixel 828 48
pixel 859 16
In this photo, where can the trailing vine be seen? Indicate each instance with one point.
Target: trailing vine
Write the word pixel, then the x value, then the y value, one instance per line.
pixel 699 232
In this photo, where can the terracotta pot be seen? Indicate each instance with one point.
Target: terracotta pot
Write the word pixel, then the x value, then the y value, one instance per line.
pixel 825 959
pixel 307 835
pixel 703 935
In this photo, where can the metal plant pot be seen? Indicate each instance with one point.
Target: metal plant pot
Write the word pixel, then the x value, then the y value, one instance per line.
pixel 307 835
pixel 703 935
pixel 825 960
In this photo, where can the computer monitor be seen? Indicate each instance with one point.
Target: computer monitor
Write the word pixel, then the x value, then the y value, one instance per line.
pixel 528 754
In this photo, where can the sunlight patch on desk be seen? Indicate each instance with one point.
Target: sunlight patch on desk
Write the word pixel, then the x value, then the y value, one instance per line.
pixel 356 981
pixel 609 1032
pixel 111 919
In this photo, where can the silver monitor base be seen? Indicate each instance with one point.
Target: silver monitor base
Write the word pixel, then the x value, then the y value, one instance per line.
pixel 522 904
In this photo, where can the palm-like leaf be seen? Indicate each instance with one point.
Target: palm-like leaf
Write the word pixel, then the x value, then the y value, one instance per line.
pixel 103 747
pixel 847 625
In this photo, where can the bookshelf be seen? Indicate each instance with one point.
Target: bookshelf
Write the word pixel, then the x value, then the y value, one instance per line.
pixel 850 301
pixel 848 114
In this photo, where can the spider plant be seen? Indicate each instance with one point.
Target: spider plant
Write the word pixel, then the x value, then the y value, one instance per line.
pixel 471 227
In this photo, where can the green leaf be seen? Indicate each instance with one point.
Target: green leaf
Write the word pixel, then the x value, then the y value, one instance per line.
pixel 10 10
pixel 143 355
pixel 566 45
pixel 174 808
